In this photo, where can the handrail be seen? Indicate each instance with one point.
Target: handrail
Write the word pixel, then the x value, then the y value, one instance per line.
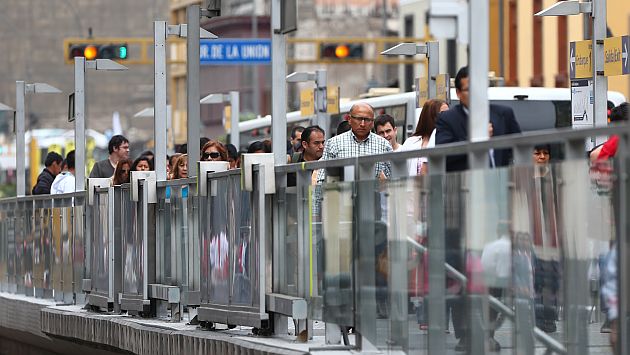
pixel 176 182
pixel 526 139
pixel 499 306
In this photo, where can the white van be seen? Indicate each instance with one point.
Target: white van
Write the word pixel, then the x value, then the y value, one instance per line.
pixel 538 108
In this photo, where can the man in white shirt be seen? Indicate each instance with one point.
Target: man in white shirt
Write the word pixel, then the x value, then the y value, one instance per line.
pixel 64 182
pixel 386 127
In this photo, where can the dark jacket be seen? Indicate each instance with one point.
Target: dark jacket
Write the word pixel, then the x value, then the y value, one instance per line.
pixel 452 126
pixel 44 181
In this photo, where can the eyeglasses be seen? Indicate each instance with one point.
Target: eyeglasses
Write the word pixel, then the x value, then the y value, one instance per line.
pixel 126 171
pixel 212 155
pixel 362 119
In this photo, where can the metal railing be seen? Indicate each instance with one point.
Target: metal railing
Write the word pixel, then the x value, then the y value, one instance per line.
pixel 357 260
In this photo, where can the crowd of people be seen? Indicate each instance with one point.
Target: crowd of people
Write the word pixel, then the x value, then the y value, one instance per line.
pixel 363 132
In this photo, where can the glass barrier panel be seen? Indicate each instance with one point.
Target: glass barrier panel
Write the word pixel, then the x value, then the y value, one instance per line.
pixel 131 244
pixel 38 255
pixel 179 231
pixel 332 248
pixel 77 243
pixel 20 243
pixel 164 207
pixel 193 251
pixel 286 204
pixel 67 232
pixel 28 247
pixel 5 226
pixel 46 247
pixel 57 244
pixel 243 246
pixel 100 244
pixel 215 242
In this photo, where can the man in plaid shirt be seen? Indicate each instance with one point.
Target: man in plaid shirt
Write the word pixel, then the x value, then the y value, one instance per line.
pixel 359 141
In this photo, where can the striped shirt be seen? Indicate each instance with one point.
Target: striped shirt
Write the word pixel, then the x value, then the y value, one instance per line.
pixel 347 145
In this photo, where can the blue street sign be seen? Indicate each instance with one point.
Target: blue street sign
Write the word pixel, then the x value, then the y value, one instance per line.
pixel 232 51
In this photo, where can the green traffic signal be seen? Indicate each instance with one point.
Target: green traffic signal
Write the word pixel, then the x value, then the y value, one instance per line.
pixel 122 51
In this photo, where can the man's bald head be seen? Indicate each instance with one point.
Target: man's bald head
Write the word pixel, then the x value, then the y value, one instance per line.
pixel 361 119
pixel 361 105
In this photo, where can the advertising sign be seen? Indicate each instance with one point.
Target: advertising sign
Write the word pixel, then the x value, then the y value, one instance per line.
pixel 582 103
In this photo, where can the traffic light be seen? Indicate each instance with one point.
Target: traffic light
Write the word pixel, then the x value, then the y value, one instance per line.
pixel 98 51
pixel 341 51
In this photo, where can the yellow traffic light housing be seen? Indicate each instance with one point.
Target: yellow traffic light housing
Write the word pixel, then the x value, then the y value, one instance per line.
pixel 351 52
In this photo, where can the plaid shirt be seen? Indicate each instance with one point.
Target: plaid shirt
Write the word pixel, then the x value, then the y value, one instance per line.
pixel 346 145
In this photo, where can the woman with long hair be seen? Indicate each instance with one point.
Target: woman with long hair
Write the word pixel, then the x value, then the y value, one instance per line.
pixel 214 151
pixel 122 172
pixel 424 136
pixel 180 169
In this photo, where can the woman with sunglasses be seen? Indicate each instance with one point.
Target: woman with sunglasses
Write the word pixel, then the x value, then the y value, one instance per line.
pixel 213 151
pixel 121 173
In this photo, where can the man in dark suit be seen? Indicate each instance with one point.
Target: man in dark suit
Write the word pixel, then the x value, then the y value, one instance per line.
pixel 452 126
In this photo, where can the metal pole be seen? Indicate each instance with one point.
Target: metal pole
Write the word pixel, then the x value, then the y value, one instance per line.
pixel 20 141
pixel 433 59
pixel 478 71
pixel 385 33
pixel 255 71
pixel 278 86
pixel 235 137
pixel 600 82
pixel 321 81
pixel 192 80
pixel 159 98
pixel 478 131
pixel 79 122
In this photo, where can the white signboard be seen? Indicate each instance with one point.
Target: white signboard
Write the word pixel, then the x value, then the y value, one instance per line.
pixel 582 103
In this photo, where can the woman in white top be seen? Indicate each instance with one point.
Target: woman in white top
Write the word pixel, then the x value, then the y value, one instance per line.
pixel 424 136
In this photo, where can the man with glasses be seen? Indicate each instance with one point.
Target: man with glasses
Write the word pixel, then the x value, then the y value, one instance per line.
pixel 118 148
pixel 359 141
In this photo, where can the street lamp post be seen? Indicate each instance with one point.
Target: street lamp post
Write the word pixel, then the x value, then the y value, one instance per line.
pixel 232 98
pixel 430 49
pixel 596 10
pixel 4 107
pixel 160 31
pixel 432 52
pixel 21 89
pixel 80 66
pixel 320 79
pixel 576 314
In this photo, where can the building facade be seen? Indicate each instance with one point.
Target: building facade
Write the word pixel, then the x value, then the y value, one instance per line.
pixel 32 34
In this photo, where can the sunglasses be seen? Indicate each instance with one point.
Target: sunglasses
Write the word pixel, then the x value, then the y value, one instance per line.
pixel 212 155
pixel 125 170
